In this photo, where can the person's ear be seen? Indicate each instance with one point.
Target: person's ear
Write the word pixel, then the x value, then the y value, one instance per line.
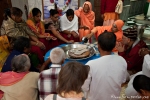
pixel 143 92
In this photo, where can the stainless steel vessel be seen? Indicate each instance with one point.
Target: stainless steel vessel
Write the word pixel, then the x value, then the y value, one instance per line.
pixel 68 47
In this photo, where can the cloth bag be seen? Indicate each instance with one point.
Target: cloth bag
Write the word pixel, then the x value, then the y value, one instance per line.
pixel 119 7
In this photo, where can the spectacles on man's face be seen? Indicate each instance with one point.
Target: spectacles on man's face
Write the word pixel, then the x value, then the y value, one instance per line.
pixel 114 26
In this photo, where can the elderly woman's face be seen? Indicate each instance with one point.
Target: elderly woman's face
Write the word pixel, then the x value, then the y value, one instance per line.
pixel 86 8
pixel 70 18
pixel 114 28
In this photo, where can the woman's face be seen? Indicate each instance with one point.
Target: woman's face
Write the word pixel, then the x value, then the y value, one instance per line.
pixel 86 8
pixel 70 18
pixel 55 17
pixel 114 28
pixel 37 18
pixel 17 19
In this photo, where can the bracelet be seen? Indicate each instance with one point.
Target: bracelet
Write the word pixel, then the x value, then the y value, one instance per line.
pixel 37 43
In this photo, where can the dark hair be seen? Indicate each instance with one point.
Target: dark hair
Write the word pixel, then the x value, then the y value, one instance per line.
pixel 72 77
pixel 141 82
pixel 12 11
pixel 53 12
pixel 20 43
pixel 107 41
pixel 20 63
pixel 69 12
pixel 35 11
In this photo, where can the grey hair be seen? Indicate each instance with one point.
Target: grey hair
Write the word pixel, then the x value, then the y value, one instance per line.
pixel 20 63
pixel 57 55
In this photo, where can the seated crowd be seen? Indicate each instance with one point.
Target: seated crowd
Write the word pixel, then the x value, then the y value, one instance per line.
pixel 25 76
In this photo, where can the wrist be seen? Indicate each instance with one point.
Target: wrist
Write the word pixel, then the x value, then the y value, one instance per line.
pixel 37 43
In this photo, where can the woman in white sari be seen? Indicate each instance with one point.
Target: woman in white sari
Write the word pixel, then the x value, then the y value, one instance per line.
pixel 69 26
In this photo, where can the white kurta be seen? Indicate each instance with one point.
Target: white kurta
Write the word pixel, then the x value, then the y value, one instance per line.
pixel 130 91
pixel 106 75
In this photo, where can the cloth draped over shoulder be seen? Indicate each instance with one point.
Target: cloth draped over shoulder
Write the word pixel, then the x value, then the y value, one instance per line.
pixel 4 50
pixel 87 19
pixel 65 24
pixel 37 28
pixel 10 78
pixel 119 34
pixel 13 29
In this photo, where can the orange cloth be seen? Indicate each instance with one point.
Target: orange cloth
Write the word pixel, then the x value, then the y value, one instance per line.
pixel 111 16
pixel 4 50
pixel 86 19
pixel 100 29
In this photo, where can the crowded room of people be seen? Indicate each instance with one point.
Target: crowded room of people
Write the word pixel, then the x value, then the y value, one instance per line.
pixel 75 50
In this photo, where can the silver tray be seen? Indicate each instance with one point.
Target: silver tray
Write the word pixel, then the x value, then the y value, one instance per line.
pixel 68 47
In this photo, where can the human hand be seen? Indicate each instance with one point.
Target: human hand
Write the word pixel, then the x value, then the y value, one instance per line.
pixel 89 36
pixel 120 47
pixel 74 34
pixel 81 27
pixel 70 41
pixel 41 45
pixel 143 51
pixel 86 28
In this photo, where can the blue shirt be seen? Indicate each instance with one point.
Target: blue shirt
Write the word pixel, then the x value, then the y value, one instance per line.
pixel 7 64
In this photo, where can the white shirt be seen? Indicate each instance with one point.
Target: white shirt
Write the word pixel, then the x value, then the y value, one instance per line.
pixel 106 75
pixel 130 91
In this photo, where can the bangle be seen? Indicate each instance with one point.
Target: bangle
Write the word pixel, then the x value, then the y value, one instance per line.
pixel 37 43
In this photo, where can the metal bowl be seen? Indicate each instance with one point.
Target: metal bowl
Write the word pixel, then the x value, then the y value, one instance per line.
pixel 68 47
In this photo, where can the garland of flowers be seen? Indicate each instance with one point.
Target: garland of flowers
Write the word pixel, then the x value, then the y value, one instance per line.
pixel 66 5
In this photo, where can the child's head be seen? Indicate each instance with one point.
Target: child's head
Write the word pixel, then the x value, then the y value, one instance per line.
pixel 57 55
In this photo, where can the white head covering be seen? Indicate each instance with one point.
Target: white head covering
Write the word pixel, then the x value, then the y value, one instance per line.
pixel 65 24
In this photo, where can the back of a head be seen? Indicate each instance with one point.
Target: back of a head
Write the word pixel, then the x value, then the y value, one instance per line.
pixel 57 55
pixel 12 11
pixel 131 33
pixel 53 12
pixel 35 11
pixel 72 77
pixel 20 63
pixel 21 43
pixel 141 82
pixel 69 12
pixel 107 41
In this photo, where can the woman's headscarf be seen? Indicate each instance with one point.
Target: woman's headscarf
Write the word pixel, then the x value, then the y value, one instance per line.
pixel 87 19
pixel 119 23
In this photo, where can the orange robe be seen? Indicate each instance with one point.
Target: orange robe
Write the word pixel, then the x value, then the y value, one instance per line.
pixel 86 19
